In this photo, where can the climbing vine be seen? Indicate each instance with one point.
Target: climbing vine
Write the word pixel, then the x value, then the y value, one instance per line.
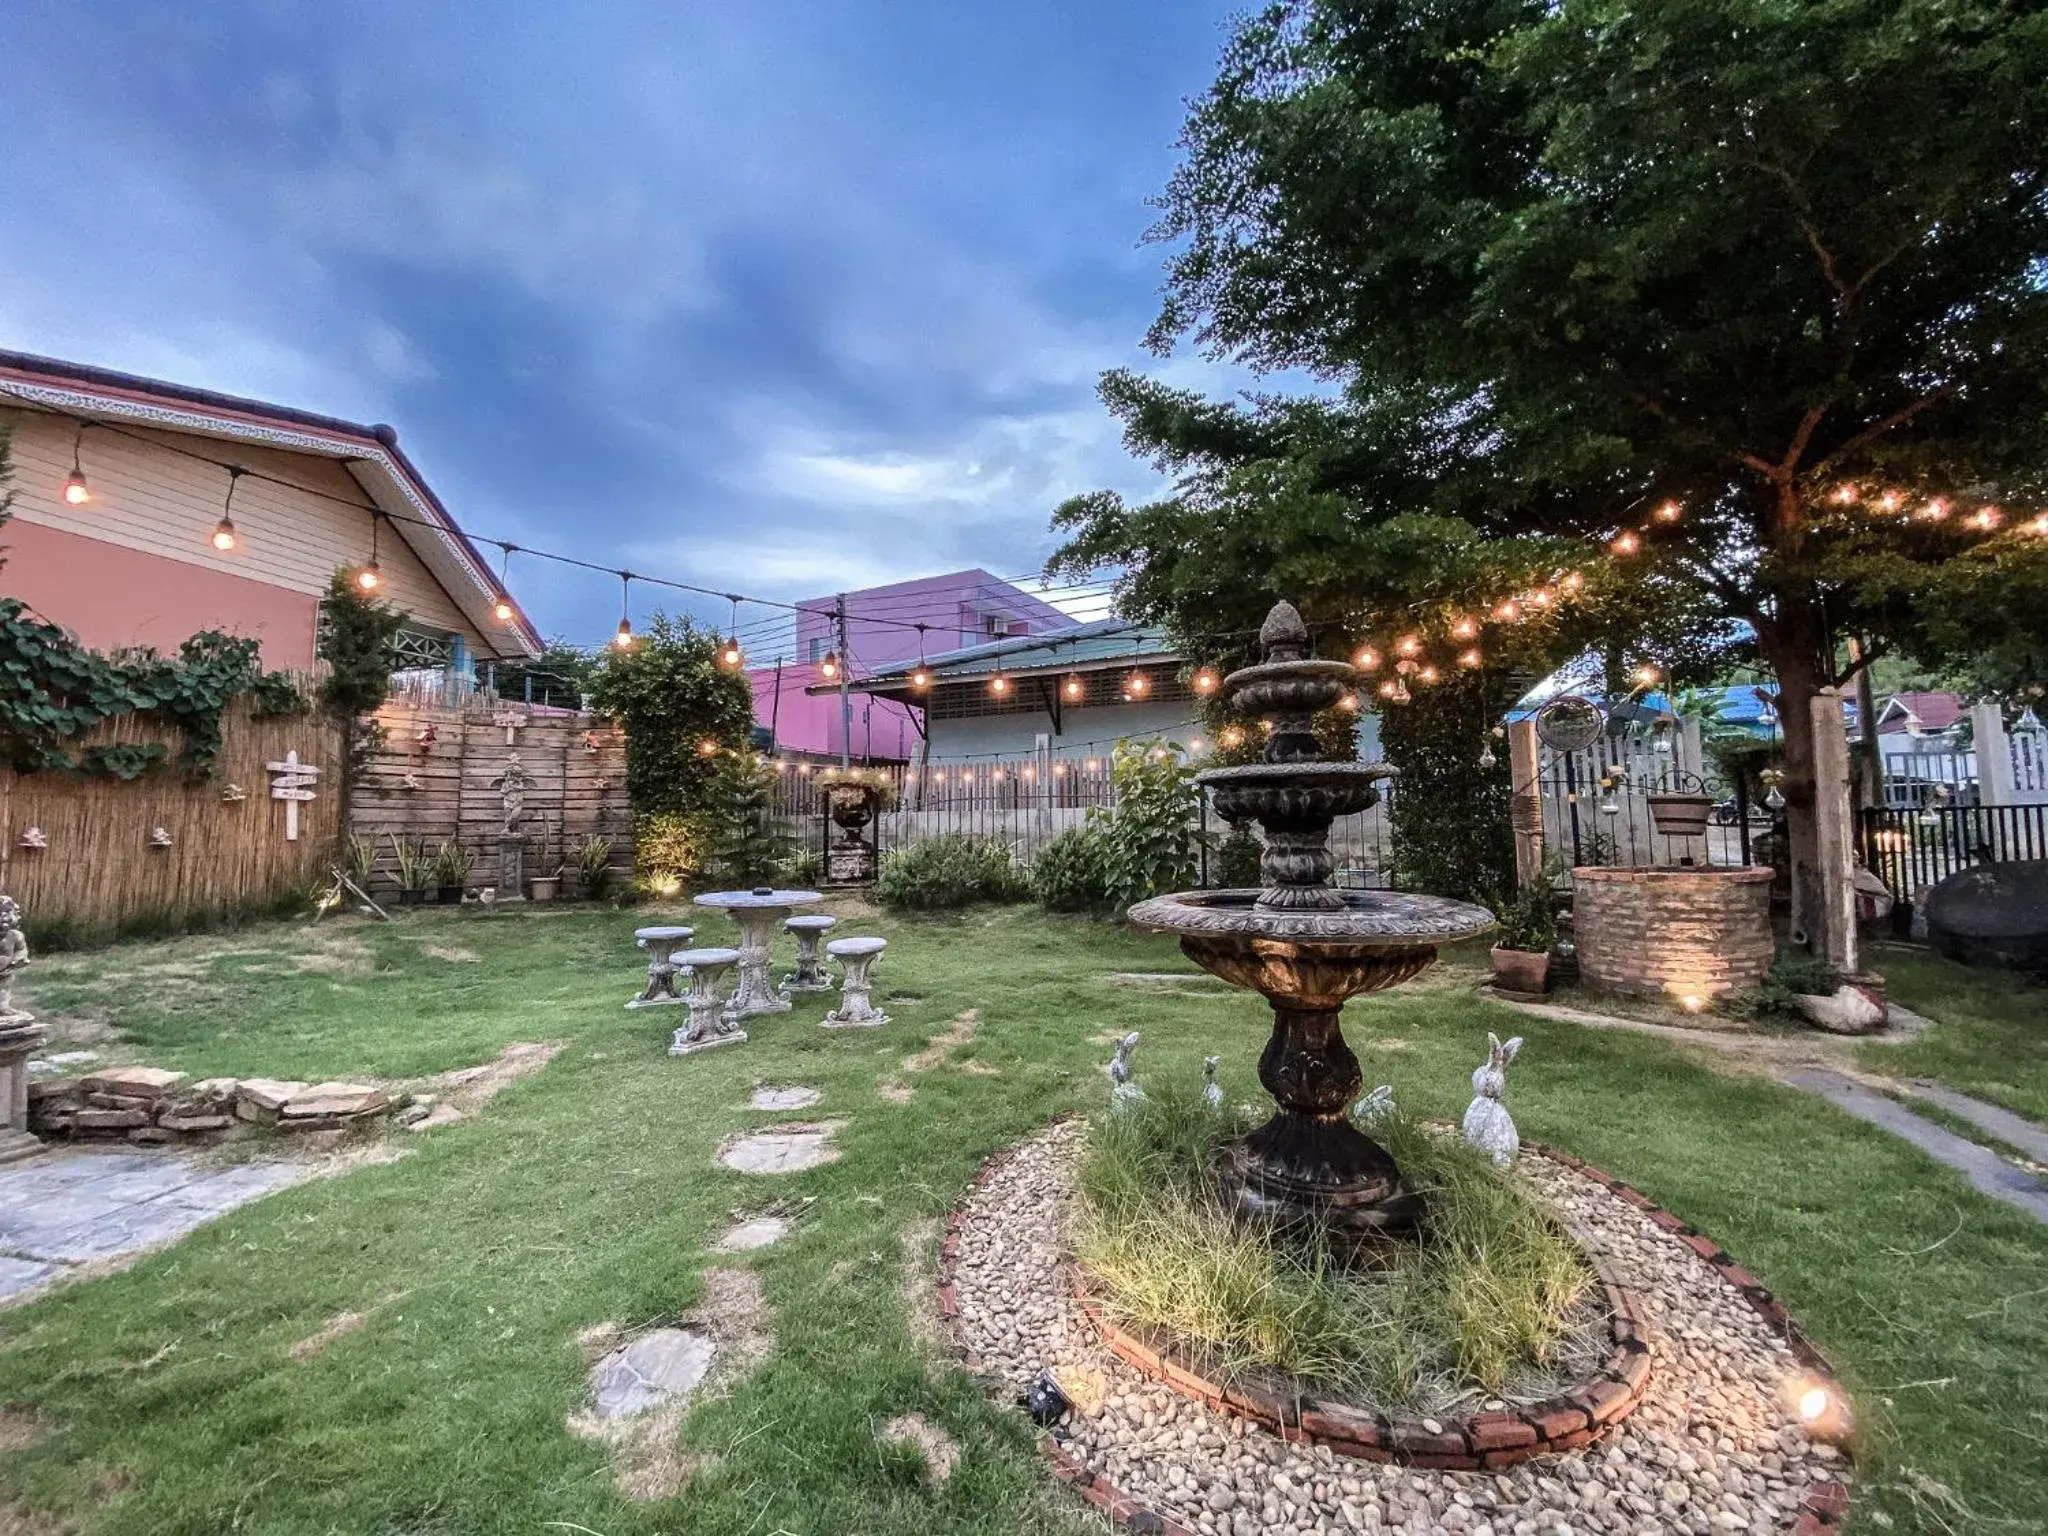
pixel 53 691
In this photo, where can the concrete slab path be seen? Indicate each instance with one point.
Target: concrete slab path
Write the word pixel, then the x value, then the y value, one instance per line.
pixel 67 1209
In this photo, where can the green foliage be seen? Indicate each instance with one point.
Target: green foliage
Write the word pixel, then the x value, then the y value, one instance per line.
pixel 1149 837
pixel 594 865
pixel 881 782
pixel 1528 918
pixel 356 642
pixel 413 862
pixel 745 845
pixel 1487 1298
pixel 1071 872
pixel 674 701
pixel 453 861
pixel 560 675
pixel 1449 815
pixel 1793 975
pixel 1237 859
pixel 668 846
pixel 53 690
pixel 359 859
pixel 948 872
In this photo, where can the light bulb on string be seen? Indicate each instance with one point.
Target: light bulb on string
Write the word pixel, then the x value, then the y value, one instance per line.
pixel 2037 525
pixel 920 677
pixel 1470 659
pixel 1646 675
pixel 999 685
pixel 1408 645
pixel 1891 501
pixel 502 610
pixel 729 653
pixel 828 667
pixel 1367 659
pixel 1985 520
pixel 1136 684
pixel 224 538
pixel 1464 628
pixel 1074 687
pixel 1668 512
pixel 76 492
pixel 1205 681
pixel 1233 736
pixel 1935 510
pixel 1542 597
pixel 1572 583
pixel 1845 495
pixel 623 640
pixel 707 747
pixel 1349 703
pixel 1507 610
pixel 371 576
pixel 1626 543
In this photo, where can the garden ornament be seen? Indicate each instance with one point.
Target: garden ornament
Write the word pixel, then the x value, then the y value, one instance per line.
pixel 1124 1092
pixel 13 955
pixel 1375 1106
pixel 33 838
pixel 1044 1400
pixel 1487 1124
pixel 1212 1091
pixel 159 837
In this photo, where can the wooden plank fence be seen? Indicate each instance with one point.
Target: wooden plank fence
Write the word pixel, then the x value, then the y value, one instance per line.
pixel 433 779
pixel 97 867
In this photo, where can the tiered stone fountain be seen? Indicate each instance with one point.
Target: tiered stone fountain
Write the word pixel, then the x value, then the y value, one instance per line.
pixel 1306 947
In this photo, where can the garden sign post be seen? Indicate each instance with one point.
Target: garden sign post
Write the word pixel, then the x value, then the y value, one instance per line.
pixel 292 781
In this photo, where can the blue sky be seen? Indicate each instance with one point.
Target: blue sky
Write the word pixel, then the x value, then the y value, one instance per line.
pixel 777 297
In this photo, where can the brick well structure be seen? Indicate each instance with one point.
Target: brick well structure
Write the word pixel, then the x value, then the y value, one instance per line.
pixel 1673 933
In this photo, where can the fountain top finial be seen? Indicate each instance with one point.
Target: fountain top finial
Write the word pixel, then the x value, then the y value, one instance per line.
pixel 1283 637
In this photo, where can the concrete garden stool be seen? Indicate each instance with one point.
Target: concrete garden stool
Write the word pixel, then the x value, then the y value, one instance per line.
pixel 810 976
pixel 855 956
pixel 708 1025
pixel 661 972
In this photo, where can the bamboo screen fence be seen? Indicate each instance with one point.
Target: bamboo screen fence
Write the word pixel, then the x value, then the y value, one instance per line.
pixel 433 778
pixel 98 868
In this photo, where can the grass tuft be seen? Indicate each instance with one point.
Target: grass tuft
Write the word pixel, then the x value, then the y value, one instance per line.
pixel 1496 1298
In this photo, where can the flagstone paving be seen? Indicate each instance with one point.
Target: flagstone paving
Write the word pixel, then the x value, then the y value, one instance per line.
pixel 67 1209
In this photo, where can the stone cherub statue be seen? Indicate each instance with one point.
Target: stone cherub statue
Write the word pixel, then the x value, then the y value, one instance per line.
pixel 13 957
pixel 1212 1091
pixel 1123 1091
pixel 512 786
pixel 1371 1108
pixel 1487 1123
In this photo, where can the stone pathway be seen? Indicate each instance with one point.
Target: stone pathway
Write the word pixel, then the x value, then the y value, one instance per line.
pixel 1990 1173
pixel 657 1366
pixel 2015 1131
pixel 785 1149
pixel 63 1210
pixel 792 1097
pixel 758 1232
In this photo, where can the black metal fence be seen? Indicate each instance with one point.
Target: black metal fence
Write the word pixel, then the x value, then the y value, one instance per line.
pixel 1913 849
pixel 1596 809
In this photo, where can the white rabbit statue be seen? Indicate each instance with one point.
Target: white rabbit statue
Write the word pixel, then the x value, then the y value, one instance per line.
pixel 1487 1123
pixel 1124 1092
pixel 1371 1108
pixel 1212 1091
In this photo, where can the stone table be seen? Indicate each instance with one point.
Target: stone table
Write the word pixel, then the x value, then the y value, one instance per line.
pixel 809 976
pixel 856 955
pixel 708 1026
pixel 758 913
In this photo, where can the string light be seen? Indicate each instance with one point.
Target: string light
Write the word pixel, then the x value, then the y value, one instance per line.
pixel 1573 583
pixel 1542 597
pixel 1626 543
pixel 623 640
pixel 371 576
pixel 1465 629
pixel 920 676
pixel 707 747
pixel 1669 512
pixel 1089 765
pixel 224 538
pixel 1408 645
pixel 1194 745
pixel 1349 703
pixel 1891 501
pixel 1205 681
pixel 1136 684
pixel 1233 736
pixel 1073 687
pixel 1367 659
pixel 829 667
pixel 1507 610
pixel 729 653
pixel 1987 519
pixel 502 609
pixel 1470 659
pixel 1935 510
pixel 999 685
pixel 1846 495
pixel 1646 675
pixel 1427 675
pixel 76 492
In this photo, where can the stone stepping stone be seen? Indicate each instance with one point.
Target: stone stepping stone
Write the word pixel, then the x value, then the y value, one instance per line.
pixel 650 1371
pixel 756 1233
pixel 784 1098
pixel 785 1149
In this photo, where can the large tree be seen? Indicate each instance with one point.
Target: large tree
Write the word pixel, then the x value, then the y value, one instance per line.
pixel 1776 265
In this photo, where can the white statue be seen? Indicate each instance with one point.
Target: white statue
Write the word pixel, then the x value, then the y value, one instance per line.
pixel 13 956
pixel 1487 1124
pixel 1212 1091
pixel 512 786
pixel 1123 1092
pixel 1371 1108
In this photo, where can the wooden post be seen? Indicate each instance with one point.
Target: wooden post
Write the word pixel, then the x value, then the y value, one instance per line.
pixel 1993 747
pixel 1526 806
pixel 1831 925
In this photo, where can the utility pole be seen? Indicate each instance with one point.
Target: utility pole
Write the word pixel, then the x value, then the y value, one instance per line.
pixel 775 709
pixel 845 699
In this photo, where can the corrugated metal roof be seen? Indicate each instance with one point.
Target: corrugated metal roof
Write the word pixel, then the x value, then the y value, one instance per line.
pixel 1099 642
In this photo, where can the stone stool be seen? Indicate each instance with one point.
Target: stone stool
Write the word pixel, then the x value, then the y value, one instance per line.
pixel 855 956
pixel 661 972
pixel 708 1025
pixel 810 976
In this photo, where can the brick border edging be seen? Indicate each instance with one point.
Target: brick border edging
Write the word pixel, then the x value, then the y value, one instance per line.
pixel 1821 1512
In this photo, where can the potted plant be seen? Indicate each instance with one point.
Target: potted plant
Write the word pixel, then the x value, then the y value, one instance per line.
pixel 544 887
pixel 413 864
pixel 1680 813
pixel 1528 929
pixel 359 860
pixel 452 864
pixel 594 866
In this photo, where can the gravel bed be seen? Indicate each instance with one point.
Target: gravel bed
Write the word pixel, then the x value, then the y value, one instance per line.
pixel 1713 1448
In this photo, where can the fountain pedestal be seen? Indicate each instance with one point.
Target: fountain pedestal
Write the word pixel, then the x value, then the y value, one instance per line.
pixel 1306 947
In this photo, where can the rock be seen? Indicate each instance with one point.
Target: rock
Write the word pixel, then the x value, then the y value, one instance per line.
pixel 440 1115
pixel 261 1098
pixel 336 1101
pixel 41 1088
pixel 786 1149
pixel 783 1098
pixel 151 1135
pixel 1848 1012
pixel 412 1114
pixel 110 1119
pixel 170 1120
pixel 650 1371
pixel 133 1082
pixel 1994 915
pixel 757 1233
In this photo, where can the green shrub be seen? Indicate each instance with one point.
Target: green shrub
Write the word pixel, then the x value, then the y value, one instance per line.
pixel 667 848
pixel 1071 873
pixel 1149 838
pixel 1528 919
pixel 1237 859
pixel 1793 975
pixel 1494 1297
pixel 951 871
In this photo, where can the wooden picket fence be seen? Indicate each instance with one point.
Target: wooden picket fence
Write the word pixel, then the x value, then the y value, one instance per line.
pixel 227 850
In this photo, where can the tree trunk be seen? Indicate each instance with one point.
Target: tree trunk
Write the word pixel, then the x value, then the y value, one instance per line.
pixel 1792 643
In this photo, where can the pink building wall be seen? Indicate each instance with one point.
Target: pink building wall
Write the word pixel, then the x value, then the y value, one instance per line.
pixel 958 609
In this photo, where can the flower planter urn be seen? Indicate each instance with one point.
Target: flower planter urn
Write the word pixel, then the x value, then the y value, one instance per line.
pixel 1521 970
pixel 1681 815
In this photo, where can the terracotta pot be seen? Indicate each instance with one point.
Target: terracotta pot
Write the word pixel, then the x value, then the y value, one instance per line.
pixel 543 887
pixel 1521 970
pixel 1681 815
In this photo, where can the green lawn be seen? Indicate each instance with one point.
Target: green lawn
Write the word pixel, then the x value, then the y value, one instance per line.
pixel 1993 1042
pixel 586 1194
